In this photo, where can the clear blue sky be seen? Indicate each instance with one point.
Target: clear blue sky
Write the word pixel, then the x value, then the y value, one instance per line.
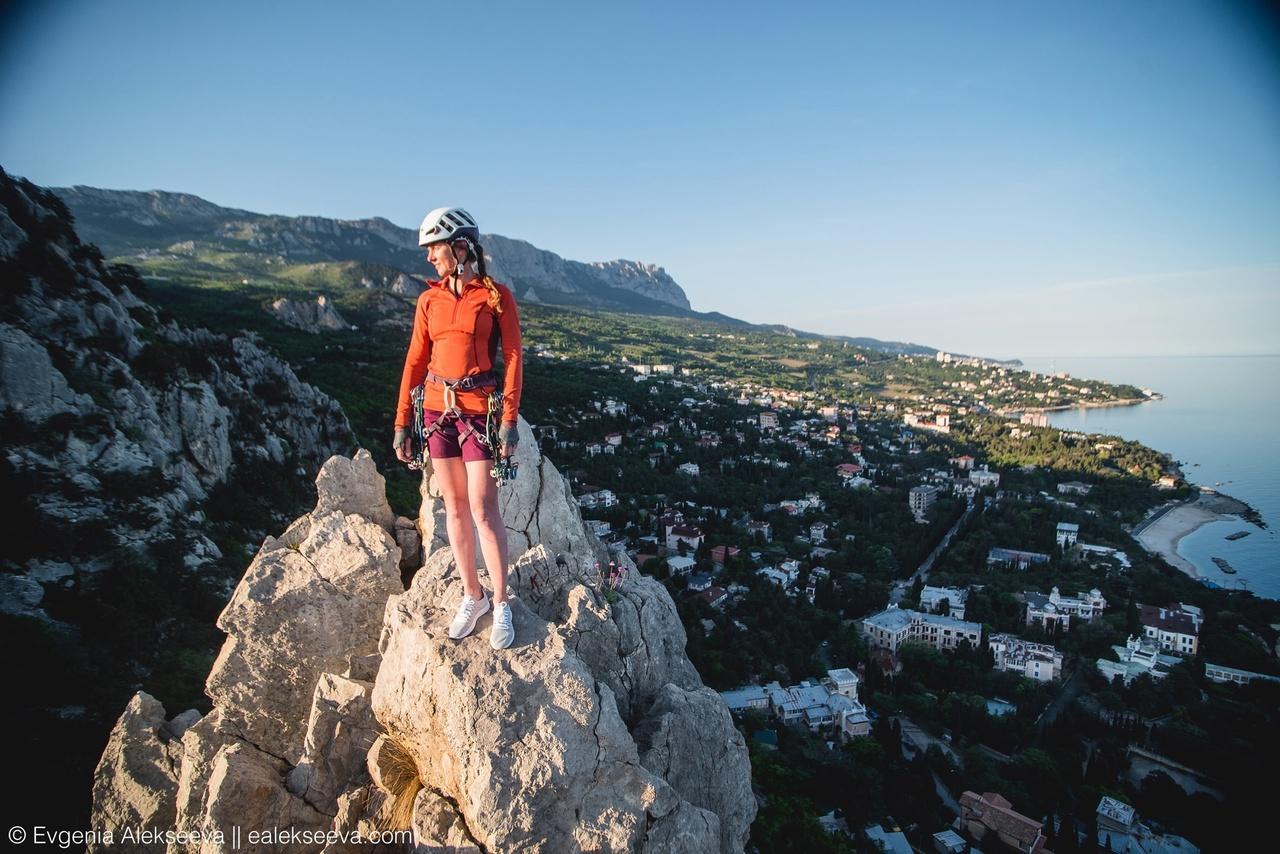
pixel 1010 179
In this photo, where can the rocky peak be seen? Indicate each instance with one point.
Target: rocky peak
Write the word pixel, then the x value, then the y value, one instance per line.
pixel 341 704
pixel 527 267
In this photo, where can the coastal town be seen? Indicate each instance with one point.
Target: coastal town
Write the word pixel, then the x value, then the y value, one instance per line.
pixel 938 622
pixel 926 582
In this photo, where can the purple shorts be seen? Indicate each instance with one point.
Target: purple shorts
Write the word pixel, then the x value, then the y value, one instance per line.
pixel 454 440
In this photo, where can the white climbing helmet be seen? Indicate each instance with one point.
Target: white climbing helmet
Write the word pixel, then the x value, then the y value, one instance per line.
pixel 447 224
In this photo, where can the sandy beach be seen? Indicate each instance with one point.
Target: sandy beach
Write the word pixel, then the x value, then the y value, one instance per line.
pixel 1163 535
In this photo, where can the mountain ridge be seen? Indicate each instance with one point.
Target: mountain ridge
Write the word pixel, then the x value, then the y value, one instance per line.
pixel 127 222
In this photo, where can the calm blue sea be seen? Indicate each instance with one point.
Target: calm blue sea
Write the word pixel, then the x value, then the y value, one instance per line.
pixel 1220 418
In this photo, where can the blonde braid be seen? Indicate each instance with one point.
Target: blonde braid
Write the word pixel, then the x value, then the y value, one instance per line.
pixel 495 296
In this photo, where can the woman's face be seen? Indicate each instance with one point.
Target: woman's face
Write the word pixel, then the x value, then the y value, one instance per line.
pixel 441 256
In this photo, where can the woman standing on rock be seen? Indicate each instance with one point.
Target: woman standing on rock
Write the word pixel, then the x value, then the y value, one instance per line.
pixel 456 330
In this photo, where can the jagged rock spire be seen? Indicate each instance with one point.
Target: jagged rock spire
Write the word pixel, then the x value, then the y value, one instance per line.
pixel 592 732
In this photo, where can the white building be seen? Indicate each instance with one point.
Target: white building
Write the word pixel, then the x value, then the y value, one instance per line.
pixel 921 498
pixel 680 565
pixel 763 529
pixel 599 498
pixel 777 576
pixel 1074 487
pixel 1068 534
pixel 817 532
pixel 690 535
pixel 984 477
pixel 1039 661
pixel 1175 628
pixel 830 704
pixel 690 469
pixel 750 697
pixel 1058 610
pixel 1121 831
pixel 1139 655
pixel 1222 674
pixel 931 599
pixel 894 626
pixel 769 420
pixel 597 526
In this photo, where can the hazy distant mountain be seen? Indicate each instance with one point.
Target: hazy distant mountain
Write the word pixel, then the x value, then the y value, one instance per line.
pixel 130 222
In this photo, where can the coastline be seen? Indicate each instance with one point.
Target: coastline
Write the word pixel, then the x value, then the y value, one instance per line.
pixel 1106 404
pixel 1161 534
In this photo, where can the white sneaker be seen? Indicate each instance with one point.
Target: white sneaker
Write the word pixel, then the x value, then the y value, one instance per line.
pixel 468 612
pixel 501 633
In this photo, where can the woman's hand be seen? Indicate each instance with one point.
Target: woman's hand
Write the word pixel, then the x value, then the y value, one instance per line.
pixel 403 444
pixel 509 436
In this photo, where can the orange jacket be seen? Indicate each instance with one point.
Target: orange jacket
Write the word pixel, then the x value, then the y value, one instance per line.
pixel 457 337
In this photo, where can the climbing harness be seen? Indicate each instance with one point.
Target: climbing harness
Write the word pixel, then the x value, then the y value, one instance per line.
pixel 504 468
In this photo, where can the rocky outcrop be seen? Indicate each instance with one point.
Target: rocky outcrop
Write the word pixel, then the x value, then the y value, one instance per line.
pixel 338 695
pixel 407 286
pixel 116 419
pixel 313 317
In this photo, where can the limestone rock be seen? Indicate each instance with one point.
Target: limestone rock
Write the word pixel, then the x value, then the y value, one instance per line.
pixel 245 791
pixel 205 428
pixel 410 542
pixel 136 781
pixel 688 738
pixel 98 391
pixel 340 733
pixel 408 286
pixel 538 758
pixel 29 383
pixel 354 486
pixel 437 826
pixel 296 614
pixel 313 317
pixel 592 732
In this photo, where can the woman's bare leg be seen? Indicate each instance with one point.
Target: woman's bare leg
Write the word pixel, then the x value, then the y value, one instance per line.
pixel 451 474
pixel 482 490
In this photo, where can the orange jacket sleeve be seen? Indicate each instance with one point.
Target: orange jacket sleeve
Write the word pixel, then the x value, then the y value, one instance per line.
pixel 415 363
pixel 512 357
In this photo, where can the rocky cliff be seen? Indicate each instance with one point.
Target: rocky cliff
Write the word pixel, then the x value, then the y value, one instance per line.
pixel 103 401
pixel 126 222
pixel 315 316
pixel 118 424
pixel 341 705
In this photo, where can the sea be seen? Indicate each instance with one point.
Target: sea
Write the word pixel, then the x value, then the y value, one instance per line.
pixel 1219 418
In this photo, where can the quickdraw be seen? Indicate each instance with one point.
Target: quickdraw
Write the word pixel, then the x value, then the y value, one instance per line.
pixel 504 467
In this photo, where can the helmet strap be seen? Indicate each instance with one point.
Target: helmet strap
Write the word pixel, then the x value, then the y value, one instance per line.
pixel 457 268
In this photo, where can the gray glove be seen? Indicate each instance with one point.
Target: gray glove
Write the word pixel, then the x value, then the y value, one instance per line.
pixel 509 436
pixel 403 443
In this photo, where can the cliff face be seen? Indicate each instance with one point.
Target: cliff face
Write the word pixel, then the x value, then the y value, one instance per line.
pixel 338 694
pixel 118 425
pixel 625 285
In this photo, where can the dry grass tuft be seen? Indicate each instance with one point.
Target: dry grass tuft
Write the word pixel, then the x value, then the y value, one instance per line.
pixel 401 780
